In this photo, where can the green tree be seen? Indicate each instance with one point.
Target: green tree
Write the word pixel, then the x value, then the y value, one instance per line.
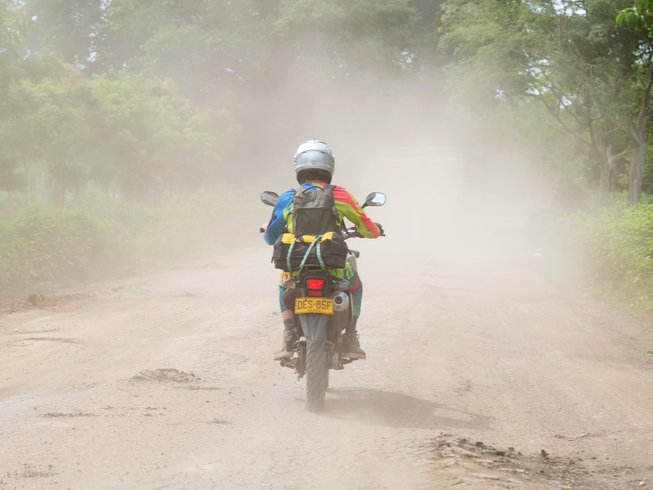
pixel 45 132
pixel 639 19
pixel 65 28
pixel 242 41
pixel 147 139
pixel 568 56
pixel 12 33
pixel 258 58
pixel 351 36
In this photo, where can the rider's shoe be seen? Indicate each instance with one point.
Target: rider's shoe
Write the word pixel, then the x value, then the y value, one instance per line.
pixel 286 351
pixel 351 348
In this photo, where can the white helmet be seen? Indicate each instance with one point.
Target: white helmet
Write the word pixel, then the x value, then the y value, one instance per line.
pixel 314 155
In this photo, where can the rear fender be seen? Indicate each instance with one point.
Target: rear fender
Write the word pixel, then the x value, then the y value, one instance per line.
pixel 314 326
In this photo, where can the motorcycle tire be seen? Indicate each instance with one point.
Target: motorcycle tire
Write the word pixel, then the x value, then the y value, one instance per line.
pixel 301 360
pixel 317 375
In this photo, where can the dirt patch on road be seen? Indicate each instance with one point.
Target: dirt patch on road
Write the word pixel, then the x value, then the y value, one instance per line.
pixel 41 301
pixel 477 464
pixel 67 414
pixel 31 340
pixel 168 375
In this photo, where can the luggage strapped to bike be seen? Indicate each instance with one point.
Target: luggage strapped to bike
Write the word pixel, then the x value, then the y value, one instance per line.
pixel 318 251
pixel 296 253
pixel 316 241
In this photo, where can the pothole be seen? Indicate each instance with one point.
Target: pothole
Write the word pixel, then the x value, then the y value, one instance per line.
pixel 167 375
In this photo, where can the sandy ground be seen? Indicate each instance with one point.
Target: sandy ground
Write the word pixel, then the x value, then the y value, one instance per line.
pixel 480 375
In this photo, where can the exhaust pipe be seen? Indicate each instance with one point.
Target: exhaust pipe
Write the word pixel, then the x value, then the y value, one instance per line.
pixel 341 301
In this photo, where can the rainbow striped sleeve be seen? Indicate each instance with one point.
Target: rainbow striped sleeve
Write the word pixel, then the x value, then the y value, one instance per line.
pixel 348 207
pixel 279 217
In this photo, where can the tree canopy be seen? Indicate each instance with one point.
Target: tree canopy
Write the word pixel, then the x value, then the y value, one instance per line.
pixel 588 71
pixel 135 98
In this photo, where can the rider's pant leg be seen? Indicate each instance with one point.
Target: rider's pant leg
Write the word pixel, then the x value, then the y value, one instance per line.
pixel 282 307
pixel 357 292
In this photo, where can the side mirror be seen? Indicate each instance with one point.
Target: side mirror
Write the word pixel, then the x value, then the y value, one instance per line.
pixel 270 198
pixel 375 199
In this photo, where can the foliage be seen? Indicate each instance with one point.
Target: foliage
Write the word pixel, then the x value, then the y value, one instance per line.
pixel 639 21
pixel 12 32
pixel 160 144
pixel 119 133
pixel 67 29
pixel 93 239
pixel 237 42
pixel 618 251
pixel 106 96
pixel 639 17
pixel 360 35
pixel 570 57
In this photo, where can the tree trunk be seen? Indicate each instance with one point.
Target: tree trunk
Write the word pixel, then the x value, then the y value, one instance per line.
pixel 608 170
pixel 636 172
pixel 28 184
pixel 605 179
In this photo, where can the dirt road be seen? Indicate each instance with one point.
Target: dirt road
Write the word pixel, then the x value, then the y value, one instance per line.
pixel 475 379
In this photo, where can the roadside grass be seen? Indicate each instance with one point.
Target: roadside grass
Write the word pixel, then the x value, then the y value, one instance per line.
pixel 92 239
pixel 617 252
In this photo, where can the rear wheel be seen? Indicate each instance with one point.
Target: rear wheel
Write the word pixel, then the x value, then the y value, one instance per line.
pixel 301 359
pixel 317 375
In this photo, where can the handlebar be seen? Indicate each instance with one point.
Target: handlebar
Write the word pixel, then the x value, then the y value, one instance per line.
pixel 352 232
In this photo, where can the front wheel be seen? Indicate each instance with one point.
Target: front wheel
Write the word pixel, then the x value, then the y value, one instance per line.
pixel 317 375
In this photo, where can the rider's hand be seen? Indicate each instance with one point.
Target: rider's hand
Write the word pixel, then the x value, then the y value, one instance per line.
pixel 263 228
pixel 381 230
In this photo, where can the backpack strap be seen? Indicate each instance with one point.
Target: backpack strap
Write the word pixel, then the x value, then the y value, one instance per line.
pixel 290 249
pixel 308 252
pixel 329 188
pixel 318 250
pixel 315 244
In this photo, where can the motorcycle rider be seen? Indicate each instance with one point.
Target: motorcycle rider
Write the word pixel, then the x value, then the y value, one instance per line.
pixel 314 167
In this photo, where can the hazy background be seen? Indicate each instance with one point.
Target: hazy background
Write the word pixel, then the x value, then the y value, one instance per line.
pixel 136 133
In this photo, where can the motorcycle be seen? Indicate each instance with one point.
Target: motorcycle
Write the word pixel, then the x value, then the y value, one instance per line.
pixel 323 307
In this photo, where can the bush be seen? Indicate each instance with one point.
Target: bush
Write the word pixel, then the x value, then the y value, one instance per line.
pixel 618 245
pixel 95 239
pixel 41 246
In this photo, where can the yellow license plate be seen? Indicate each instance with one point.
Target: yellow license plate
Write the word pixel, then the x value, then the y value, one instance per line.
pixel 323 306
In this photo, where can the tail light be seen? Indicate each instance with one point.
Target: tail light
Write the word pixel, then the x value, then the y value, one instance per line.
pixel 315 286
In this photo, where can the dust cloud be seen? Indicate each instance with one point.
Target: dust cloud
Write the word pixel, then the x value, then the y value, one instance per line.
pixel 452 196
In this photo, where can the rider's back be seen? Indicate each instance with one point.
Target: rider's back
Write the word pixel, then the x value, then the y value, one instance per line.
pixel 346 207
